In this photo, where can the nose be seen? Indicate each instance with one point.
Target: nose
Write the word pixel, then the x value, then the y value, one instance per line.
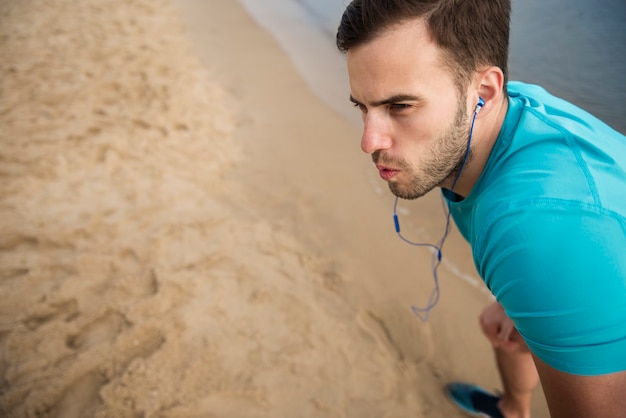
pixel 375 135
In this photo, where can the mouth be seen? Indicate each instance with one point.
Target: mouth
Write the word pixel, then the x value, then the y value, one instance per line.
pixel 386 173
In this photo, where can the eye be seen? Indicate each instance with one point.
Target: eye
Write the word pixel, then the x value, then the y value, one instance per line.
pixel 359 106
pixel 399 106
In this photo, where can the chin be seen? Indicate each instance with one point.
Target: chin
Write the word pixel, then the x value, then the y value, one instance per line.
pixel 410 194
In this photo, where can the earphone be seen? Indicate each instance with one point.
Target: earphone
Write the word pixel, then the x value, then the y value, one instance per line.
pixel 479 105
pixel 423 313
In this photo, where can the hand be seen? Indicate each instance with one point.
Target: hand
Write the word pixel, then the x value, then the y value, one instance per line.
pixel 499 328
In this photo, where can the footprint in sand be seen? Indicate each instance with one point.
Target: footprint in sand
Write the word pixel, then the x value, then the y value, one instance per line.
pixel 102 329
pixel 80 398
pixel 64 310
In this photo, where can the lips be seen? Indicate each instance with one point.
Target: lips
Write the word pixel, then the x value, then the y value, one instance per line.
pixel 386 173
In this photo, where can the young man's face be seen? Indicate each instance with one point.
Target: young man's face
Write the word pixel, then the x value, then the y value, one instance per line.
pixel 416 122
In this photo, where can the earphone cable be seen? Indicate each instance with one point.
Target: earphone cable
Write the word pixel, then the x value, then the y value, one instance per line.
pixel 424 313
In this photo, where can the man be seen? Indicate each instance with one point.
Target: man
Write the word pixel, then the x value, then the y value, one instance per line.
pixel 535 184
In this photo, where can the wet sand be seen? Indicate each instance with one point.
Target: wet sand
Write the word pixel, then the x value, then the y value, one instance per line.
pixel 187 231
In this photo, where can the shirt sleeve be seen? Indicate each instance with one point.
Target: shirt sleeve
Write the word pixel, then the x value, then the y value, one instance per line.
pixel 559 270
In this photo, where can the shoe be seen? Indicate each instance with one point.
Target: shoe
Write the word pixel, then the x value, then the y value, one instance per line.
pixel 474 400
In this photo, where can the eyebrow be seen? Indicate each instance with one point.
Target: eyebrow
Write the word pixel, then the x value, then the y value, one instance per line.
pixel 390 100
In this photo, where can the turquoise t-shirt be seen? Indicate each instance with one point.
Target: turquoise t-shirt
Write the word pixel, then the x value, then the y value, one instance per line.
pixel 547 225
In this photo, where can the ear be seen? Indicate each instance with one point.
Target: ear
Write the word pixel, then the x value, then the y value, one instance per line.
pixel 489 85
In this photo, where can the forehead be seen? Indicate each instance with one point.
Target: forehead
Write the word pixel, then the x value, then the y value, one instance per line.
pixel 402 59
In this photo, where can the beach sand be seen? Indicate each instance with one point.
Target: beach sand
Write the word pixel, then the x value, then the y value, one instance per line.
pixel 187 231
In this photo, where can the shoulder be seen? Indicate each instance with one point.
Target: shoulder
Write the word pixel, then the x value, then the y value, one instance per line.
pixel 558 114
pixel 554 149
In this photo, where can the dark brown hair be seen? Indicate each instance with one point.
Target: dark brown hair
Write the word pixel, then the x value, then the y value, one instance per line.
pixel 471 33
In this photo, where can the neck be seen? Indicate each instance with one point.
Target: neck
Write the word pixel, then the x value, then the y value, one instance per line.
pixel 484 136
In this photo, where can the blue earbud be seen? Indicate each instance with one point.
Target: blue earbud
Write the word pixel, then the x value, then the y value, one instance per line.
pixel 479 105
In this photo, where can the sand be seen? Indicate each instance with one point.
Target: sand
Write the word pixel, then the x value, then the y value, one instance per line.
pixel 187 231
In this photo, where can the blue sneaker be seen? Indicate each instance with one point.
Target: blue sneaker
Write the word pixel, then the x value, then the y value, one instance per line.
pixel 474 400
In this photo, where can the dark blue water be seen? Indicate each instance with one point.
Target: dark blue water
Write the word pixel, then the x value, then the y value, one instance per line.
pixel 574 48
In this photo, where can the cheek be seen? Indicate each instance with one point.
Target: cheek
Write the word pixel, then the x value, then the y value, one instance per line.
pixel 420 129
pixel 414 142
